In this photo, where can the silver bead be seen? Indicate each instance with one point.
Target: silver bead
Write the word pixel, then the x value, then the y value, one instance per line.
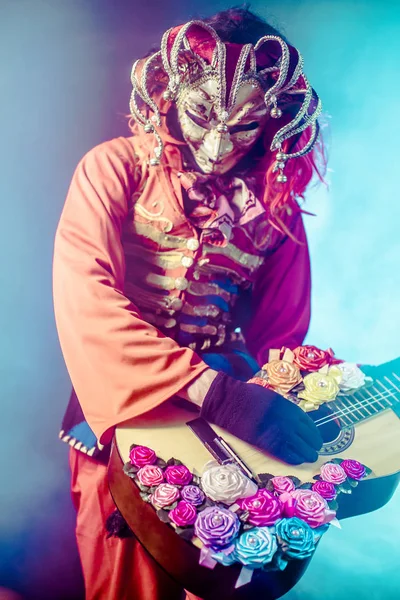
pixel 154 162
pixel 222 128
pixel 280 165
pixel 168 95
pixel 276 113
pixel 158 151
pixel 281 156
pixel 148 128
pixel 281 178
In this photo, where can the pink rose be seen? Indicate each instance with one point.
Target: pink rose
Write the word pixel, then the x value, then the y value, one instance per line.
pixel 312 508
pixel 325 489
pixel 150 475
pixel 183 514
pixel 141 455
pixel 333 473
pixel 283 484
pixel 353 469
pixel 264 508
pixel 178 475
pixel 164 495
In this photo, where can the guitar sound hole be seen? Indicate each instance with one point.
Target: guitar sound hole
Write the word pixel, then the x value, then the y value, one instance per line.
pixel 327 425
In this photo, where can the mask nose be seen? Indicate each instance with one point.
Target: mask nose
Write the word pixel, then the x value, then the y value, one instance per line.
pixel 217 145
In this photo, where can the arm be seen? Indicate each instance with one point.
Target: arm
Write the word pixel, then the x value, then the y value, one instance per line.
pixel 281 297
pixel 120 365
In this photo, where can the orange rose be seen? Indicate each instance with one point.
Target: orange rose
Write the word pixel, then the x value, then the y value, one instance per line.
pixel 282 375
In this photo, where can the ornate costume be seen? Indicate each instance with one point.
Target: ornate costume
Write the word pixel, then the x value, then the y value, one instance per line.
pixel 159 260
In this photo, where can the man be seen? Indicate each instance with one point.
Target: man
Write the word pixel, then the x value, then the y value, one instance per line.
pixel 169 242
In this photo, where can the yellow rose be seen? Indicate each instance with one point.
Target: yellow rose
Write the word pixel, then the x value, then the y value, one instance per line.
pixel 282 375
pixel 319 388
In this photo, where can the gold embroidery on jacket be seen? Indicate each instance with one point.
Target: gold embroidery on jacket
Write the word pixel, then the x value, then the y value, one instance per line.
pixel 234 253
pixel 167 260
pixel 203 289
pixel 154 216
pixel 164 240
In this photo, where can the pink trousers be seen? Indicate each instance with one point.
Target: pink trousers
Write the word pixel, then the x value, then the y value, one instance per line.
pixel 113 569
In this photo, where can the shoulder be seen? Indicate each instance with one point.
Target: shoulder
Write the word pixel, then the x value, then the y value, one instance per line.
pixel 113 159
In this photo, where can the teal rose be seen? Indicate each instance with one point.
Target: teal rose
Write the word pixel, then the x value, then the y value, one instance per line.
pixel 295 537
pixel 256 547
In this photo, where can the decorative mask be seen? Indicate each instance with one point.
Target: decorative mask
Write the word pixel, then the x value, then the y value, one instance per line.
pixel 224 95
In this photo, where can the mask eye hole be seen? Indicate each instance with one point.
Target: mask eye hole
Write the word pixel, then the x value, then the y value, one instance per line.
pixel 245 127
pixel 198 120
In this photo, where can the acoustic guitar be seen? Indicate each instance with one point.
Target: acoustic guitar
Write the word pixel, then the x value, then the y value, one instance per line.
pixel 364 426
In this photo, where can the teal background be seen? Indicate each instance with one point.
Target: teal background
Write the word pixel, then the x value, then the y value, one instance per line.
pixel 64 87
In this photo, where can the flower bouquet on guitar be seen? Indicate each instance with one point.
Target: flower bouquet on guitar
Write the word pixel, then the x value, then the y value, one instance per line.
pixel 262 523
pixel 309 376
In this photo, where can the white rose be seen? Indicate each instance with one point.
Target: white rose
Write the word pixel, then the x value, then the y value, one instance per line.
pixel 353 378
pixel 226 483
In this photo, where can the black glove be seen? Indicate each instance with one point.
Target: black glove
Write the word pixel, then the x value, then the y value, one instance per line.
pixel 262 418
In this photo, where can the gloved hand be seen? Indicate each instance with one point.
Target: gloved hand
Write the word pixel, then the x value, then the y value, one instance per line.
pixel 263 418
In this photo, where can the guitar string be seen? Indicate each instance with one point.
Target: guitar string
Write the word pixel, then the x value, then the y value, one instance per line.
pixel 381 396
pixel 353 410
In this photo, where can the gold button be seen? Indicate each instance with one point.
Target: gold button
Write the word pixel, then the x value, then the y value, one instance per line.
pixel 176 304
pixel 192 244
pixel 187 261
pixel 181 283
pixel 170 323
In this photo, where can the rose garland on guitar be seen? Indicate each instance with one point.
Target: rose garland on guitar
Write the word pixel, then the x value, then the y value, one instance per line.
pixel 260 526
pixel 309 376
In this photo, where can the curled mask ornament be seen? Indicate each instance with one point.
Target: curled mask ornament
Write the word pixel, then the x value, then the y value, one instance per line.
pixel 225 93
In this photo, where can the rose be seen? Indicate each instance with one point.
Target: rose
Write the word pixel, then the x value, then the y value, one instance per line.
pixel 256 547
pixel 258 381
pixel 192 494
pixel 141 455
pixel 264 508
pixel 310 358
pixel 325 489
pixel 353 469
pixel 282 484
pixel 333 473
pixel 352 377
pixel 178 475
pixel 226 483
pixel 295 537
pixel 319 388
pixel 282 375
pixel 312 508
pixel 150 475
pixel 183 514
pixel 216 527
pixel 164 495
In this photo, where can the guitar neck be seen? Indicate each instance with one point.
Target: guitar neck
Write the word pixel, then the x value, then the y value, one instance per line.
pixel 383 393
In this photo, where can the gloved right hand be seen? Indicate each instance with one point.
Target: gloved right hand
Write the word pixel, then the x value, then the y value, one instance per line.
pixel 263 418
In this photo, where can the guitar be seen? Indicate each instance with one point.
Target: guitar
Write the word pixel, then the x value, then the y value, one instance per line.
pixel 364 425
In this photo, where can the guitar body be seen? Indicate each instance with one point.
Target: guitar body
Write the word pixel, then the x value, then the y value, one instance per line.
pixel 374 442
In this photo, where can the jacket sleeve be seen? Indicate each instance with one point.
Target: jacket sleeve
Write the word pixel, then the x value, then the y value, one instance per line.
pixel 120 365
pixel 281 297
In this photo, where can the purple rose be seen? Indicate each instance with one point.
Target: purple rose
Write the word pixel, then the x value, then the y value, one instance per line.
pixel 312 508
pixel 178 475
pixel 325 489
pixel 193 494
pixel 142 455
pixel 183 514
pixel 164 495
pixel 333 473
pixel 283 484
pixel 216 527
pixel 150 475
pixel 353 469
pixel 264 508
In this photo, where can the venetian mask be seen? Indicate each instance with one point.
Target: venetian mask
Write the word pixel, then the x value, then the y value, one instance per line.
pixel 218 145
